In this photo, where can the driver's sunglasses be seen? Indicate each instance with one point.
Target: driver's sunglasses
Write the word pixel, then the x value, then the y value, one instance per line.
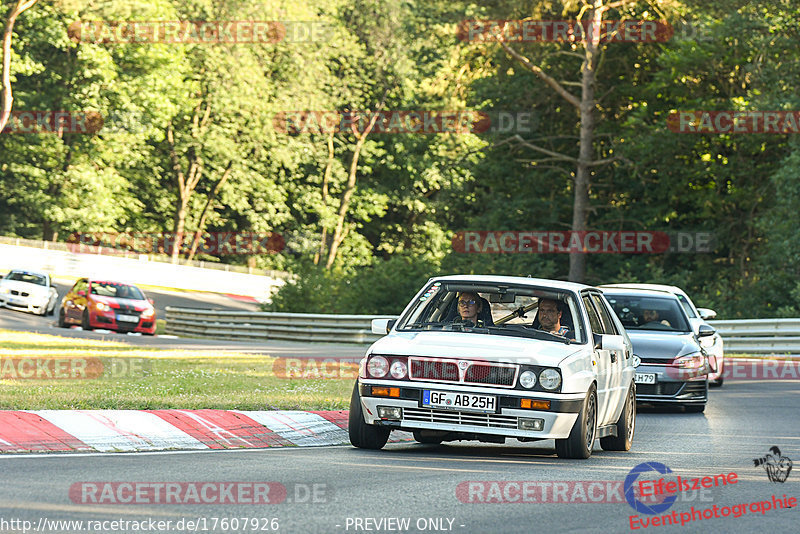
pixel 467 302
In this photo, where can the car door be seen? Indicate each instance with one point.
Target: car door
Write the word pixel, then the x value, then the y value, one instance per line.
pixel 602 361
pixel 617 386
pixel 74 302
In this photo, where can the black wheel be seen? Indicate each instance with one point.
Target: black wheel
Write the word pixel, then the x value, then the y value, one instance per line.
pixel 581 439
pixel 62 320
pixel 85 324
pixel 362 435
pixel 625 426
pixel 428 440
pixel 696 408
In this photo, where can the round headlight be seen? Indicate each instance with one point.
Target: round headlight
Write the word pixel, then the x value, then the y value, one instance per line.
pixel 103 307
pixel 527 379
pixel 377 366
pixel 550 379
pixel 398 370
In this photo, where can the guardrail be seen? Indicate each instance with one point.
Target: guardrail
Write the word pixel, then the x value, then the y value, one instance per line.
pixel 760 336
pixel 753 336
pixel 255 326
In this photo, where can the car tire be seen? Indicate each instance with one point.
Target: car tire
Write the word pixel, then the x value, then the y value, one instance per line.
pixel 428 440
pixel 580 442
pixel 85 322
pixel 62 320
pixel 625 426
pixel 717 383
pixel 696 408
pixel 362 435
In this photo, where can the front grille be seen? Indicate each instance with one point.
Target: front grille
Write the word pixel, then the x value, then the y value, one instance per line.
pixel 19 293
pixel 487 420
pixel 662 388
pixel 490 374
pixel 126 309
pixel 657 361
pixel 474 373
pixel 434 370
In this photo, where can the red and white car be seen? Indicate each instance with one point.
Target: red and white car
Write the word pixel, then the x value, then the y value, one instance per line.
pixel 108 305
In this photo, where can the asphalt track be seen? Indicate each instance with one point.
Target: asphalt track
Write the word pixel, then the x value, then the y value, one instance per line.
pixel 419 482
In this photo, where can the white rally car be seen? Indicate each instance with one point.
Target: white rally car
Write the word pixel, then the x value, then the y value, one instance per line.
pixel 475 358
pixel 30 291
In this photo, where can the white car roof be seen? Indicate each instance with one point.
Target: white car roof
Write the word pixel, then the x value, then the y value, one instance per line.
pixel 523 280
pixel 638 291
pixel 649 287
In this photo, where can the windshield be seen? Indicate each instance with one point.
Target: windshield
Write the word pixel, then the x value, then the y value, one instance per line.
pixel 31 278
pixel 492 309
pixel 687 306
pixel 638 312
pixel 120 291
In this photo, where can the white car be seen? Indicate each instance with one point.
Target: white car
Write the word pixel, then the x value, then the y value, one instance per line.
pixel 487 369
pixel 697 316
pixel 29 290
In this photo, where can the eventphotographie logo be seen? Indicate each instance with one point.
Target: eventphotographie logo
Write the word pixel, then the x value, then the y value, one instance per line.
pixel 775 464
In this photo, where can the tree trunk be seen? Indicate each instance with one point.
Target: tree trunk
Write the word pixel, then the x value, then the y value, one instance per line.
pixel 7 97
pixel 344 205
pixel 201 224
pixel 580 205
pixel 325 180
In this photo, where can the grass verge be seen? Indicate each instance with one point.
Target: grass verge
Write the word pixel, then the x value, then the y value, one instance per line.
pixel 135 378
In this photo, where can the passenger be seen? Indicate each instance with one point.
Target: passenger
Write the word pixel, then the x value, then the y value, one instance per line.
pixel 549 315
pixel 652 316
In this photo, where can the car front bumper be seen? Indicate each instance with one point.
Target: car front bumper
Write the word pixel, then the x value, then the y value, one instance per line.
pixel 668 389
pixel 29 303
pixel 108 320
pixel 504 421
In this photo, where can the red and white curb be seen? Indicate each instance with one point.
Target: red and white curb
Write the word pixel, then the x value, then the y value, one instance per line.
pixel 153 430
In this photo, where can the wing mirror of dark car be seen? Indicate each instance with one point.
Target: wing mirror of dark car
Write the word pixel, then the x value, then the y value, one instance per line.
pixel 81 293
pixel 704 330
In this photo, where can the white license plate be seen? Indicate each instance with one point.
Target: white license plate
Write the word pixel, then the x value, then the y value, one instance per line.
pixel 466 402
pixel 645 378
pixel 128 318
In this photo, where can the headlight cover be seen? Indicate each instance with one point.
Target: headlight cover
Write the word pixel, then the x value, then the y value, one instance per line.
pixel 527 379
pixel 102 306
pixel 377 367
pixel 690 361
pixel 398 369
pixel 550 379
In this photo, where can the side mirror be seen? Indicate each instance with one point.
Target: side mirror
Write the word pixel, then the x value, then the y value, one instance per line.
pixel 382 326
pixel 152 303
pixel 706 313
pixel 609 342
pixel 81 293
pixel 704 331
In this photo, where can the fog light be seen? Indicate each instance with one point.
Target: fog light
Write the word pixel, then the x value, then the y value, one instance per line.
pixel 530 424
pixel 390 412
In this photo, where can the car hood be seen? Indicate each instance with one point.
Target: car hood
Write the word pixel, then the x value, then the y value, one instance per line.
pixel 27 287
pixel 662 345
pixel 468 346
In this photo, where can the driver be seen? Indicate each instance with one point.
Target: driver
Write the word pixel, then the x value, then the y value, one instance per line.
pixel 549 315
pixel 469 306
pixel 652 316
